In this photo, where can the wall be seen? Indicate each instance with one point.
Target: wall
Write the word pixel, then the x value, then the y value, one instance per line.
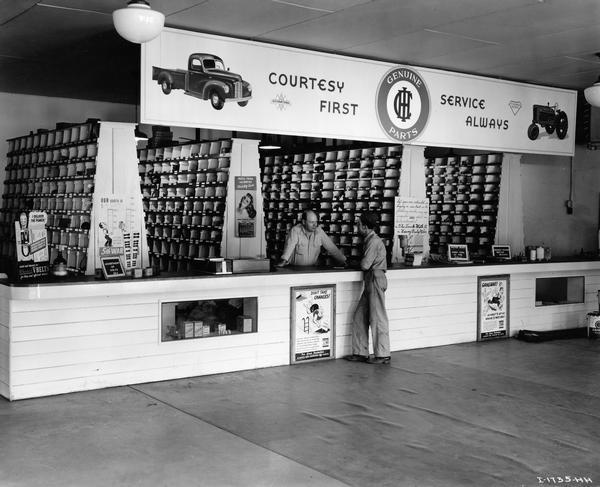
pixel 545 183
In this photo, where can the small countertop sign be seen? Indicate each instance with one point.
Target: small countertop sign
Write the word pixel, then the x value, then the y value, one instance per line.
pixel 501 252
pixel 112 267
pixel 458 254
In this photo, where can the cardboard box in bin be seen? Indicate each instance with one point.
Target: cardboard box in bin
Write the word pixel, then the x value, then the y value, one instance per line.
pixel 244 323
pixel 188 329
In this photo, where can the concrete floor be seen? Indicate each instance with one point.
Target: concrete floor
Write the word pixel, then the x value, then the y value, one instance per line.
pixel 499 413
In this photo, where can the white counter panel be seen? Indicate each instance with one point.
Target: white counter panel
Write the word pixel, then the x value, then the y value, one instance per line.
pixel 69 337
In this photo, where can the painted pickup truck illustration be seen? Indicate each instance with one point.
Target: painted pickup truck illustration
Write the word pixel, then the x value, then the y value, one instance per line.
pixel 549 117
pixel 205 78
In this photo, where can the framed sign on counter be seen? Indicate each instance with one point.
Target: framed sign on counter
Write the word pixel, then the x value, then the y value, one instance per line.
pixel 501 252
pixel 312 323
pixel 493 307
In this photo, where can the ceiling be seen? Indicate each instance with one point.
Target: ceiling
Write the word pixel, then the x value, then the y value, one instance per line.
pixel 68 48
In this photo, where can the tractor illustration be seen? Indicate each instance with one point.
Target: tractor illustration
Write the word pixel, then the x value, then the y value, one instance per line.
pixel 549 117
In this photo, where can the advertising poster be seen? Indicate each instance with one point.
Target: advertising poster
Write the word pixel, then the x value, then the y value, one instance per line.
pixel 119 229
pixel 32 245
pixel 245 209
pixel 312 323
pixel 411 216
pixel 492 307
pixel 192 79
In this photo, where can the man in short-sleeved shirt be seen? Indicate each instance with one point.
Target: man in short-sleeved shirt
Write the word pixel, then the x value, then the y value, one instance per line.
pixel 370 313
pixel 304 241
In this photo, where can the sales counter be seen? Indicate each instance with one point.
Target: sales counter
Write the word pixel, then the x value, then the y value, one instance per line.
pixel 58 337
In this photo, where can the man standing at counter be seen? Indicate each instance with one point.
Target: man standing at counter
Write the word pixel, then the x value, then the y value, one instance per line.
pixel 370 311
pixel 304 241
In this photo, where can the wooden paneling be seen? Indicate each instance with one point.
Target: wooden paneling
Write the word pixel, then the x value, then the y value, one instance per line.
pixel 98 335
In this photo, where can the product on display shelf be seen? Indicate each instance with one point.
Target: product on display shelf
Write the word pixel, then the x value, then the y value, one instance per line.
pixel 338 185
pixel 52 171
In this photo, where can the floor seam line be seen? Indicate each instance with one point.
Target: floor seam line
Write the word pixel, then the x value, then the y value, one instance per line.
pixel 234 434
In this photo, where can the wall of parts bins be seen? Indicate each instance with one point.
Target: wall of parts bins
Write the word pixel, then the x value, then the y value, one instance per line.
pixel 463 193
pixel 338 185
pixel 184 190
pixel 52 171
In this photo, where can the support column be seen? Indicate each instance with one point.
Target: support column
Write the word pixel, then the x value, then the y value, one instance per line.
pixel 509 223
pixel 244 163
pixel 412 184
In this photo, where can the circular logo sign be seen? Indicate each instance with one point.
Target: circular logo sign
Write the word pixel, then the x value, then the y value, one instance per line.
pixel 402 104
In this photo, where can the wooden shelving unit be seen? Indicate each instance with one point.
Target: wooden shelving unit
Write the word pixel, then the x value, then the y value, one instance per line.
pixel 184 190
pixel 52 171
pixel 463 193
pixel 338 185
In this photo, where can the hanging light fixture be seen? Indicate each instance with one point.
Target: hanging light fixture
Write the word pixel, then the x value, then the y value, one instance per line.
pixel 592 93
pixel 138 22
pixel 139 135
pixel 270 142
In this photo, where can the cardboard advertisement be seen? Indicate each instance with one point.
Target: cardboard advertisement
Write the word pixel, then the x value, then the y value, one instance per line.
pixel 411 216
pixel 313 323
pixel 31 239
pixel 119 229
pixel 245 206
pixel 493 307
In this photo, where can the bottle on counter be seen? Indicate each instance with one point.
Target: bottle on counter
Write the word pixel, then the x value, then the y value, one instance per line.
pixel 59 265
pixel 540 252
pixel 532 253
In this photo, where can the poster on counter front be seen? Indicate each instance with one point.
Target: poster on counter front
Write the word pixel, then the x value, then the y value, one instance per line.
pixel 493 307
pixel 245 209
pixel 31 238
pixel 312 323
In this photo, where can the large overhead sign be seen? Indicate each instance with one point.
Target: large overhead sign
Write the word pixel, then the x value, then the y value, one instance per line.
pixel 199 80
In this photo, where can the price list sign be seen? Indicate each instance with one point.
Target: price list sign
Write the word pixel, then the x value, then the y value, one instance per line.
pixel 411 216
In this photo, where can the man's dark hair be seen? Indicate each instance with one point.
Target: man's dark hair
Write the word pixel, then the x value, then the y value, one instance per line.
pixel 369 219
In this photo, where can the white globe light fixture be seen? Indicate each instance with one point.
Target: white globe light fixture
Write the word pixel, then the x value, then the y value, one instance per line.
pixel 138 22
pixel 592 94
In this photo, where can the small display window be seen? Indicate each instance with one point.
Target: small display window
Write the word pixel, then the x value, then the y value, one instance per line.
pixel 182 320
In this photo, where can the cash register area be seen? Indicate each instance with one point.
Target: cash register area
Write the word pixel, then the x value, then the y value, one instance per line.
pixel 496 413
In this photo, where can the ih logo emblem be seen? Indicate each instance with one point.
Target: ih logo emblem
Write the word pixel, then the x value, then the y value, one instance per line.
pixel 402 104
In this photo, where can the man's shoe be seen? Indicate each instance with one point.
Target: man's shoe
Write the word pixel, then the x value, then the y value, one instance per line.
pixel 356 358
pixel 379 360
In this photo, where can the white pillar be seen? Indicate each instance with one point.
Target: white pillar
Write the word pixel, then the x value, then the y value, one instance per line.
pixel 509 223
pixel 117 176
pixel 412 183
pixel 244 162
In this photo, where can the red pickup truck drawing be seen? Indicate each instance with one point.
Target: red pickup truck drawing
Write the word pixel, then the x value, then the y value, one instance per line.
pixel 205 78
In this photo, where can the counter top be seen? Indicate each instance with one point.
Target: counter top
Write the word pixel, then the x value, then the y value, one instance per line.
pixel 288 276
pixel 500 267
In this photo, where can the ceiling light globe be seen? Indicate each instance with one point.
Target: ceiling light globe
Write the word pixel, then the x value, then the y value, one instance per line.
pixel 592 94
pixel 138 22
